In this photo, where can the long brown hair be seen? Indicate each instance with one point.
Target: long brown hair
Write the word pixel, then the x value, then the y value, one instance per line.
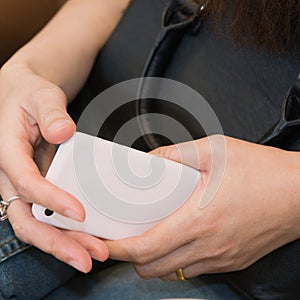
pixel 272 24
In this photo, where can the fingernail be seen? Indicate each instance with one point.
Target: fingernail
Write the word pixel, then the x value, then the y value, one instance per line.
pixel 77 265
pixel 98 255
pixel 59 124
pixel 73 215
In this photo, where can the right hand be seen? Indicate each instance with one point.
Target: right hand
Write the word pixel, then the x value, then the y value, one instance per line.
pixel 33 119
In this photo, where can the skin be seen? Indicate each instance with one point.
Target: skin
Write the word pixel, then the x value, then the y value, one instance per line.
pixel 254 211
pixel 246 219
pixel 35 86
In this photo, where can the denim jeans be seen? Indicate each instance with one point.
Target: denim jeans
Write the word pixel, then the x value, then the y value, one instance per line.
pixel 28 273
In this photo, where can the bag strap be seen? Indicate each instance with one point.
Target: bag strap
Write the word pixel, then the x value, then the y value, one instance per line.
pixel 179 17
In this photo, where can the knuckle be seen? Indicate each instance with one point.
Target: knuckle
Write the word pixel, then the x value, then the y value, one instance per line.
pixel 228 259
pixel 143 252
pixel 22 186
pixel 46 116
pixel 238 267
pixel 21 232
pixel 50 91
pixel 171 152
pixel 48 101
pixel 219 253
pixel 165 278
pixel 239 263
pixel 142 272
pixel 164 151
pixel 219 143
pixel 52 248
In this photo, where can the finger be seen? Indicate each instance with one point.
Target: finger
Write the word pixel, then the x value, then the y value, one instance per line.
pixel 188 272
pixel 186 153
pixel 96 247
pixel 34 188
pixel 197 154
pixel 162 238
pixel 181 257
pixel 207 155
pixel 197 269
pixel 146 248
pixel 47 107
pixel 45 237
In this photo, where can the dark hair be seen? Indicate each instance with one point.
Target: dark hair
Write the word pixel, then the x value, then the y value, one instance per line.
pixel 272 24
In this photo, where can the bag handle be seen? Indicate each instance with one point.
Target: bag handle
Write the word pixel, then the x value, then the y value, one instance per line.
pixel 178 17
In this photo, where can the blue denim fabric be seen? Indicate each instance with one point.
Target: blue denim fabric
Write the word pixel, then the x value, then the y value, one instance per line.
pixel 121 282
pixel 27 273
pixel 9 245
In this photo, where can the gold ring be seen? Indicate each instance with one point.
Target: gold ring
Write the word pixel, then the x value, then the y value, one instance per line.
pixel 179 274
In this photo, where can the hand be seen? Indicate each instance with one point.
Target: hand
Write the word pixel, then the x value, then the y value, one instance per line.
pixel 253 212
pixel 33 118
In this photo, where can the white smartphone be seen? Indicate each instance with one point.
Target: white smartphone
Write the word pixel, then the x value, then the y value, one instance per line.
pixel 124 191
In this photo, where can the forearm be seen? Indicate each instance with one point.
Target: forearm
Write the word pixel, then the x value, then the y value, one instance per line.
pixel 291 186
pixel 65 50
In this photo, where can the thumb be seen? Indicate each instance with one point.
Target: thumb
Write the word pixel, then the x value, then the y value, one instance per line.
pixel 197 154
pixel 48 108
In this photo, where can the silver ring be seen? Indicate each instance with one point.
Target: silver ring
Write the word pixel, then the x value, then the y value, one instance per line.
pixel 4 206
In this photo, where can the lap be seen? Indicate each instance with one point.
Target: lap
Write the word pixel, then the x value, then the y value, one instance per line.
pixel 121 282
pixel 25 271
pixel 28 273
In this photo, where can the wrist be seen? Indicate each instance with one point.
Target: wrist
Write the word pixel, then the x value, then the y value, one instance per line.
pixel 16 66
pixel 22 65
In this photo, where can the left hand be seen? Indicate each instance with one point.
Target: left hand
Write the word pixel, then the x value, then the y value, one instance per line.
pixel 254 211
